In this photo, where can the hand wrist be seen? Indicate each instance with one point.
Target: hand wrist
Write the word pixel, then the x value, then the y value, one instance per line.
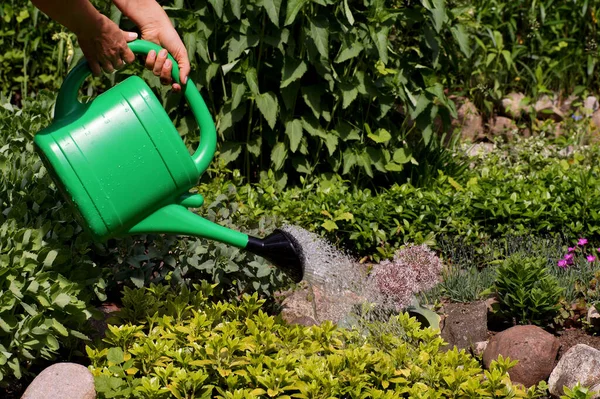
pixel 89 22
pixel 152 13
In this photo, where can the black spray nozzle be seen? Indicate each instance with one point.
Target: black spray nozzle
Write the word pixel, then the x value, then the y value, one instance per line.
pixel 281 249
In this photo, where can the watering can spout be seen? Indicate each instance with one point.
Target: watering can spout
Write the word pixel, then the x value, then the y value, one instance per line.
pixel 281 249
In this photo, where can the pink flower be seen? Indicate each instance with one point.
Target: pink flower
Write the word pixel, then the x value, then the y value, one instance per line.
pixel 569 259
pixel 598 249
pixel 582 241
pixel 591 258
pixel 562 263
pixel 572 249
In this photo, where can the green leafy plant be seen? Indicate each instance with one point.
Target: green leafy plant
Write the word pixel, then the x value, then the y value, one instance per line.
pixel 36 51
pixel 526 290
pixel 47 279
pixel 578 392
pixel 197 347
pixel 309 87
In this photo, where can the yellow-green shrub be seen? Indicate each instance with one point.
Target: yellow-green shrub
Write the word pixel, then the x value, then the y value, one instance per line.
pixel 181 344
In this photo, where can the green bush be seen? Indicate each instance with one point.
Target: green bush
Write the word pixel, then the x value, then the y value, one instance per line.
pixel 309 87
pixel 182 344
pixel 47 279
pixel 526 290
pixel 281 78
pixel 528 188
pixel 532 47
pixel 34 52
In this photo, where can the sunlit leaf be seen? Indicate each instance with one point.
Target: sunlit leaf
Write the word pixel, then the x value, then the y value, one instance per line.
pixel 293 129
pixel 269 107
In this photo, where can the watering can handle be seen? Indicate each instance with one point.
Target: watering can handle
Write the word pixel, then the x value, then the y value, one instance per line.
pixel 67 102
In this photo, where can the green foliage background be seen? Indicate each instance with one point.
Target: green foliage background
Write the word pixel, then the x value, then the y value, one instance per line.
pixel 351 91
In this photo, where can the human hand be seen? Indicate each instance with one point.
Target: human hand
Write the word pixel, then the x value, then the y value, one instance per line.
pixel 164 34
pixel 104 45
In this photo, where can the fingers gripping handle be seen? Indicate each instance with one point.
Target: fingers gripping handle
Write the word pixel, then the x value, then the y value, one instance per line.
pixel 67 102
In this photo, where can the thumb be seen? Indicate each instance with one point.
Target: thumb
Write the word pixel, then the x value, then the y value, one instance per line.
pixel 129 36
pixel 184 70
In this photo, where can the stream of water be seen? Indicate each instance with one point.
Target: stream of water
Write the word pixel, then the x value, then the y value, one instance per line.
pixel 340 285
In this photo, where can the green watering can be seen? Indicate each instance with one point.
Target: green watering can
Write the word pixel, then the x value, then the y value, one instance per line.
pixel 123 166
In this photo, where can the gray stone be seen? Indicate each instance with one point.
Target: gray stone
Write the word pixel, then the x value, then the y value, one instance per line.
pixel 545 108
pixel 464 324
pixel 514 105
pixel 566 105
pixel 503 127
pixel 593 317
pixel 596 121
pixel 64 381
pixel 580 364
pixel 469 121
pixel 533 348
pixel 590 105
pixel 480 149
pixel 479 348
pixel 306 321
pixel 309 305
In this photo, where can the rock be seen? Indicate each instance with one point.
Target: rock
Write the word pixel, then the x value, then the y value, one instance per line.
pixel 465 324
pixel 580 364
pixel 596 120
pixel 503 127
pixel 593 317
pixel 314 305
pixel 534 348
pixel 566 105
pixel 514 105
pixel 306 321
pixel 480 149
pixel 479 348
pixel 64 381
pixel 469 121
pixel 590 105
pixel 546 109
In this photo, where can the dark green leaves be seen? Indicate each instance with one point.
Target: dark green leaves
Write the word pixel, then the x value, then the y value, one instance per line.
pixel 278 155
pixel 292 70
pixel 272 7
pixel 319 34
pixel 269 107
pixel 293 129
pixel 293 8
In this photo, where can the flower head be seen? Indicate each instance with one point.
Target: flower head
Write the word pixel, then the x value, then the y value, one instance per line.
pixel 568 258
pixel 591 258
pixel 582 241
pixel 573 249
pixel 562 263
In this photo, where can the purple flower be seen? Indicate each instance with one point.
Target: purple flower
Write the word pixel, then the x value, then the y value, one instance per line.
pixel 591 258
pixel 562 263
pixel 598 250
pixel 572 249
pixel 582 241
pixel 569 259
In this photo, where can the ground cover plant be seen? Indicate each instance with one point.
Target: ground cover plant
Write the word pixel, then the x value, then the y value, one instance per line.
pixel 181 344
pixel 525 187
